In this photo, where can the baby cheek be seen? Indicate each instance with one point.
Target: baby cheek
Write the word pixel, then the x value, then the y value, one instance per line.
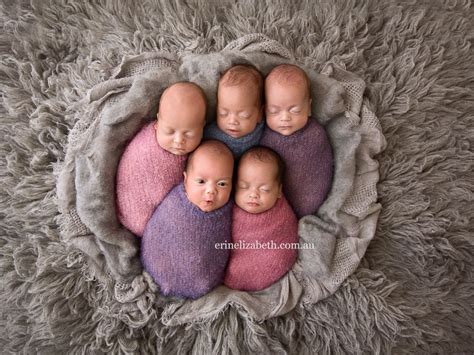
pixel 272 121
pixel 239 195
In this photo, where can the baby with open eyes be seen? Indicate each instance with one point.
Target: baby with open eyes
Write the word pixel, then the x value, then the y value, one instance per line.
pixel 298 138
pixel 178 245
pixel 239 123
pixel 153 162
pixel 261 217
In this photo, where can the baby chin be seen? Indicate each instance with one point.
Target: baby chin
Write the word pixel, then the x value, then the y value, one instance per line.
pixel 208 206
pixel 285 131
pixel 253 207
pixel 177 151
pixel 234 133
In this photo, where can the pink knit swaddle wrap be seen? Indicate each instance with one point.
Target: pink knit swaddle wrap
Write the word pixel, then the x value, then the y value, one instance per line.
pixel 256 269
pixel 145 175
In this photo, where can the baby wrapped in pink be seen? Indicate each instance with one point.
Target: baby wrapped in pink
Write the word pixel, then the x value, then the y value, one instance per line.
pixel 153 162
pixel 262 222
pixel 145 175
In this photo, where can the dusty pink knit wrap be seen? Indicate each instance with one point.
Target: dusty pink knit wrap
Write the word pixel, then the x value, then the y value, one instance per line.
pixel 145 175
pixel 256 269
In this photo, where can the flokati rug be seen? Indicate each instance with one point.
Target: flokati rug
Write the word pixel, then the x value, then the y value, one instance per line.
pixel 77 80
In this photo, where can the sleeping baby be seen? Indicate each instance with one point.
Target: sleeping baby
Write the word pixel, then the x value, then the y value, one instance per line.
pixel 300 140
pixel 239 122
pixel 178 246
pixel 153 162
pixel 261 215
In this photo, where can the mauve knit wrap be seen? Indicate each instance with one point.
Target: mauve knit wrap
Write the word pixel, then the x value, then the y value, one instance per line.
pixel 237 145
pixel 308 157
pixel 178 246
pixel 256 269
pixel 145 175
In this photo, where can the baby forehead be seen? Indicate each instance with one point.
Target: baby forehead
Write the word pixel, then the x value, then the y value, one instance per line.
pixel 288 74
pixel 257 171
pixel 210 156
pixel 261 158
pixel 267 170
pixel 211 153
pixel 241 75
pixel 183 92
pixel 252 160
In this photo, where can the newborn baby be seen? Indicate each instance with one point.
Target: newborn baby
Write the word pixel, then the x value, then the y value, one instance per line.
pixel 153 162
pixel 239 122
pixel 178 246
pixel 261 215
pixel 301 141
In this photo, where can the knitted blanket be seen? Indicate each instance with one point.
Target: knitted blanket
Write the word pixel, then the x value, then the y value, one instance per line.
pixel 179 246
pixel 308 158
pixel 145 175
pixel 266 247
pixel 115 110
pixel 237 145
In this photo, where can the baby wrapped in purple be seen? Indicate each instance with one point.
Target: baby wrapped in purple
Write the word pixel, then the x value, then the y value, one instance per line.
pixel 179 244
pixel 309 161
pixel 299 139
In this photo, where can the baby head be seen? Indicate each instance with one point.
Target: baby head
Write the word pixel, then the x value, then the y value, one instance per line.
pixel 208 175
pixel 288 99
pixel 181 118
pixel 239 100
pixel 259 180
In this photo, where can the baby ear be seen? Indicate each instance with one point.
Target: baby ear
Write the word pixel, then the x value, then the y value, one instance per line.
pixel 185 176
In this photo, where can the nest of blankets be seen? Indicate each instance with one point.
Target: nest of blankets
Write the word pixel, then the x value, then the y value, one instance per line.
pixel 115 110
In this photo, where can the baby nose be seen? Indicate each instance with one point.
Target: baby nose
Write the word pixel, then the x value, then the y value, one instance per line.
pixel 210 190
pixel 253 194
pixel 285 116
pixel 233 120
pixel 178 138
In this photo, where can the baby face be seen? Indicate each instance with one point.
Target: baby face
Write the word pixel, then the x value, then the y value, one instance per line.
pixel 180 122
pixel 238 110
pixel 287 107
pixel 208 181
pixel 257 186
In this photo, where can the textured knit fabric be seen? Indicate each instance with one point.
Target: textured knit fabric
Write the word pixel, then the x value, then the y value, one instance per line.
pixel 260 266
pixel 145 175
pixel 237 145
pixel 178 246
pixel 308 157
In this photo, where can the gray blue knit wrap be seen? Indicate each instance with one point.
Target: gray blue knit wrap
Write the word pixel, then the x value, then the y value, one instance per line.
pixel 238 146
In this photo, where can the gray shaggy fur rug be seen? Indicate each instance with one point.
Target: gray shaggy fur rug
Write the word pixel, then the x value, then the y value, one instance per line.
pixel 413 292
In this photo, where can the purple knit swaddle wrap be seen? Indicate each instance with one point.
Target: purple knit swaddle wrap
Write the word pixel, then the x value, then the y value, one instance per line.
pixel 178 246
pixel 308 157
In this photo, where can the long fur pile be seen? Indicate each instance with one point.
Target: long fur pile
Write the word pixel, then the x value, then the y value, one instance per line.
pixel 414 289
